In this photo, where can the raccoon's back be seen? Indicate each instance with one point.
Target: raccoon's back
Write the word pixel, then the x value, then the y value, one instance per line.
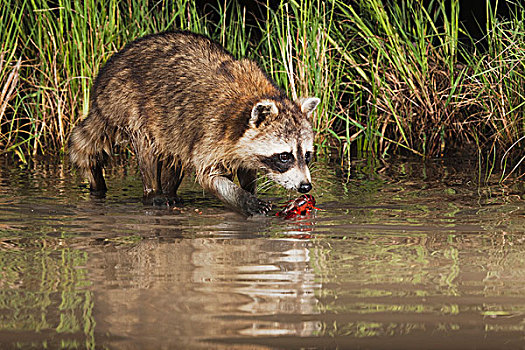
pixel 172 60
pixel 161 65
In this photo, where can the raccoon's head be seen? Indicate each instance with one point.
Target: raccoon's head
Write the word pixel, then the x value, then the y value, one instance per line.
pixel 280 141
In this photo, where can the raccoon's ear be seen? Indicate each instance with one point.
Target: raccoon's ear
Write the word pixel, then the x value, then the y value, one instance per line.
pixel 261 111
pixel 309 104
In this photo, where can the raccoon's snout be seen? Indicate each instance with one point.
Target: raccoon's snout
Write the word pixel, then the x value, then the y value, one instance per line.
pixel 305 187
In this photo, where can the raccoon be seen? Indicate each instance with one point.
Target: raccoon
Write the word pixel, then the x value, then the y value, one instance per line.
pixel 184 103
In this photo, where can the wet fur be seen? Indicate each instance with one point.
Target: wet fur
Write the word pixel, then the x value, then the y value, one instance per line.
pixel 184 103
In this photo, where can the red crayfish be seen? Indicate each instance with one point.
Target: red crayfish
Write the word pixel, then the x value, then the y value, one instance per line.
pixel 300 206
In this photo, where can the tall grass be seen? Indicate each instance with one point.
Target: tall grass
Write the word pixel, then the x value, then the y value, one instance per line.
pixel 10 64
pixel 498 77
pixel 417 90
pixel 407 72
pixel 392 76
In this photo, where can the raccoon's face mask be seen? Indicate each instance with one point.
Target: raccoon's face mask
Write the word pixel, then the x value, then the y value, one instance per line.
pixel 280 140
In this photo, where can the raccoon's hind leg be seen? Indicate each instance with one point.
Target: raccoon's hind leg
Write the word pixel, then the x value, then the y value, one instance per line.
pixel 150 168
pixel 89 146
pixel 161 176
pixel 248 179
pixel 170 178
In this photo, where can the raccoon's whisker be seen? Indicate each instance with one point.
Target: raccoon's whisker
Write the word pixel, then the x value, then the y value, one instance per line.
pixel 314 168
pixel 263 178
pixel 266 185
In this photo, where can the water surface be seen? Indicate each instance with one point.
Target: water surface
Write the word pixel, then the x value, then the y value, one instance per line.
pixel 404 257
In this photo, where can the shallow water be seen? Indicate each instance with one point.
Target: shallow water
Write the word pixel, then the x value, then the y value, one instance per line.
pixel 405 257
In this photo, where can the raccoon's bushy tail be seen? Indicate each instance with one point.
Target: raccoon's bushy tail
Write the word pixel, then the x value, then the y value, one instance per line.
pixel 89 146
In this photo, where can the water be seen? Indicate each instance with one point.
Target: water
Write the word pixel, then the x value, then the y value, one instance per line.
pixel 405 257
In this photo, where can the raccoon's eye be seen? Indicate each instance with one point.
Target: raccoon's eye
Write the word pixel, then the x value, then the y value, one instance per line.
pixel 308 157
pixel 285 157
pixel 278 162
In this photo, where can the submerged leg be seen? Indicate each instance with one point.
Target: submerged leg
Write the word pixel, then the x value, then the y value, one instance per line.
pixel 170 178
pixel 150 168
pixel 97 184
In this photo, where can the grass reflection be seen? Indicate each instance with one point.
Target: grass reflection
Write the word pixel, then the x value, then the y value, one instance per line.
pixel 43 295
pixel 425 279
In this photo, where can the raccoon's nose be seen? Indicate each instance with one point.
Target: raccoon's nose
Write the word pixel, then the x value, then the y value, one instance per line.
pixel 305 187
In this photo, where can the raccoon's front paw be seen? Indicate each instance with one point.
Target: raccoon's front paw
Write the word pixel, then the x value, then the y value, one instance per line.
pixel 255 206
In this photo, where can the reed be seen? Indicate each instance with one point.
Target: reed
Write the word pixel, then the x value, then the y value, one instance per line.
pixel 408 75
pixel 498 77
pixel 10 65
pixel 392 76
pixel 416 89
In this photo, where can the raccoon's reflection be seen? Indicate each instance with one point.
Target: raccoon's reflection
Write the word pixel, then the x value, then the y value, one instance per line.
pixel 190 290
